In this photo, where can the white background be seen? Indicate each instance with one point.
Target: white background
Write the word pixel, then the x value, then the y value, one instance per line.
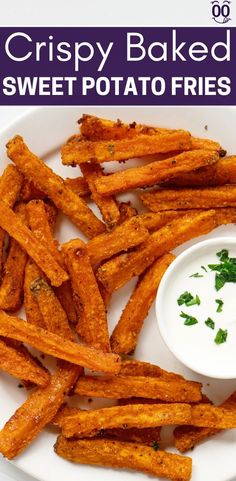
pixel 97 12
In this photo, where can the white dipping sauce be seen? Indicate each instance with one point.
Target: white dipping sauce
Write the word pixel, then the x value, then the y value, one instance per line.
pixel 194 345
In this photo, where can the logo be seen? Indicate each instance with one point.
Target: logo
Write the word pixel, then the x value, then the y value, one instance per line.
pixel 221 11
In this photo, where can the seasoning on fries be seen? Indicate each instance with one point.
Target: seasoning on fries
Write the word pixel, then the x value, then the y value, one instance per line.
pixel 10 185
pixel 85 424
pixel 15 362
pixel 10 222
pixel 35 170
pixel 77 150
pixel 197 198
pixel 108 206
pixel 125 335
pixel 56 346
pixel 37 411
pixel 92 326
pixel 139 386
pixel 155 172
pixel 11 289
pixel 129 234
pixel 116 454
pixel 148 436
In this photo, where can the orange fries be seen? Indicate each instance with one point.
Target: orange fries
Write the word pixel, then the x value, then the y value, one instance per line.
pixel 139 386
pixel 117 454
pixel 35 170
pixel 155 172
pixel 77 150
pixel 125 335
pixel 57 346
pixel 92 326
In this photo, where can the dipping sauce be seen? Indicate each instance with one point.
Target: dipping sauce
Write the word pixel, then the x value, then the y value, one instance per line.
pixel 196 308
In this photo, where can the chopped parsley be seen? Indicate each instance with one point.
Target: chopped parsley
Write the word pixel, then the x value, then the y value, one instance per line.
pixel 203 267
pixel 210 323
pixel 221 336
pixel 225 271
pixel 189 320
pixel 155 445
pixel 188 299
pixel 196 275
pixel 220 305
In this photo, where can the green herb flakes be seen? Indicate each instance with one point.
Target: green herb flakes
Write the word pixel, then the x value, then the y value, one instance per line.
pixel 155 445
pixel 225 271
pixel 189 320
pixel 210 323
pixel 196 275
pixel 221 336
pixel 188 299
pixel 220 305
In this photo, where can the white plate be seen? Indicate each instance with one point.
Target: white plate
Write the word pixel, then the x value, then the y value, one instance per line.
pixel 44 130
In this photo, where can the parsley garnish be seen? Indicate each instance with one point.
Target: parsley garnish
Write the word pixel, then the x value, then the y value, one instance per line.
pixel 210 323
pixel 220 305
pixel 203 267
pixel 155 445
pixel 225 271
pixel 189 320
pixel 221 336
pixel 196 275
pixel 188 299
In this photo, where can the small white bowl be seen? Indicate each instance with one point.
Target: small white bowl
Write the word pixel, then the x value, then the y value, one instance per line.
pixel 194 345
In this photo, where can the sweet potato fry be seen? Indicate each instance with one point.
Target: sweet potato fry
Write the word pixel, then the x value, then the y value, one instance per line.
pixel 56 346
pixel 107 206
pixel 205 415
pixel 37 411
pixel 126 211
pixel 114 273
pixel 39 223
pixel 139 386
pixel 155 172
pixel 129 234
pixel 85 424
pixel 95 128
pixel 32 311
pixel 125 336
pixel 222 172
pixel 133 367
pixel 93 328
pixel 79 185
pixel 207 144
pixel 202 198
pixel 53 314
pixel 11 289
pixel 78 150
pixel 146 436
pixel 155 220
pixel 10 185
pixel 116 454
pixel 36 171
pixel 186 437
pixel 10 222
pixel 15 362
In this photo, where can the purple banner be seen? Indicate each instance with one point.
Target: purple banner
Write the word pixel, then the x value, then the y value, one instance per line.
pixel 117 66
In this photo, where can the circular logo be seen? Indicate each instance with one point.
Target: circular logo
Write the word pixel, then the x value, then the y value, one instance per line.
pixel 221 11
